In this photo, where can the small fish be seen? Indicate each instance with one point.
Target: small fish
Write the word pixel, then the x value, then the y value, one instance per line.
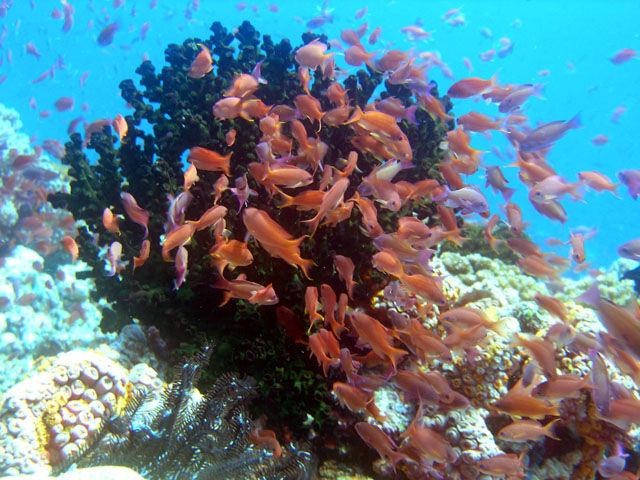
pixel 345 268
pixel 380 442
pixel 145 249
pixel 522 431
pixel 114 255
pixel 600 140
pixel 630 178
pixel 208 160
pixel 181 261
pixel 121 127
pixel 71 247
pixel 377 336
pixel 64 104
pixel 110 221
pixel 623 56
pixel 630 250
pixel 135 212
pixel 107 33
pixel 468 87
pixel 577 248
pixel 202 64
pixel 243 289
pixel 546 135
pixel 508 464
pixel 313 55
pixel 552 305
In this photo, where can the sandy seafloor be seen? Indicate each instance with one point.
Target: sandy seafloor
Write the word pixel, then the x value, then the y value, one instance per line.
pixel 573 44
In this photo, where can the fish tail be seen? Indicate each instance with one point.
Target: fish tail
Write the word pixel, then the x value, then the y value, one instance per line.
pixel 549 429
pixel 575 122
pixel 305 264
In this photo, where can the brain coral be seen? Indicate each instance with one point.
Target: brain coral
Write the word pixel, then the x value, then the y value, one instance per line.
pixel 52 415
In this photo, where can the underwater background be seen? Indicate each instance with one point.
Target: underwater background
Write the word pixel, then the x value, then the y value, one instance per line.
pixel 62 321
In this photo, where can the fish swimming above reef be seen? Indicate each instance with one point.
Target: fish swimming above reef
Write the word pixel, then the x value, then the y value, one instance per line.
pixel 546 135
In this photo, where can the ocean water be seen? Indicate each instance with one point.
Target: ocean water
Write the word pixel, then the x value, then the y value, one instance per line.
pixel 573 43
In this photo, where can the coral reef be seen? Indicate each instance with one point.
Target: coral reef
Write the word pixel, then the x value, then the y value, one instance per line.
pixel 28 175
pixel 52 416
pixel 43 312
pixel 439 360
pixel 177 433
pixel 149 166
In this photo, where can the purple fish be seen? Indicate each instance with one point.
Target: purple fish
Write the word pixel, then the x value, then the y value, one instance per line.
pixel 547 134
pixel 630 250
pixel 631 178
pixel 470 199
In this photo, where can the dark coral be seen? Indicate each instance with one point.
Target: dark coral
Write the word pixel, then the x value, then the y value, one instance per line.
pixel 179 436
pixel 148 165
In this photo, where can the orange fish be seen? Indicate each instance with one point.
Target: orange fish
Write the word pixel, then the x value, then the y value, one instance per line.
pixel 311 306
pixel 552 305
pixel 598 182
pixel 430 445
pixel 561 387
pixel 231 253
pixel 517 402
pixel 119 124
pixel 202 64
pixel 330 201
pixel 309 107
pixel 380 442
pixel 135 212
pixel 243 85
pixel 210 218
pixel 425 287
pixel 221 185
pixel 522 431
pixel 468 87
pixel 190 177
pixel 71 247
pixel 110 221
pixel 355 399
pixel 320 350
pixel 313 55
pixel 345 268
pixel 275 239
pixel 541 350
pixel 537 266
pixel 209 160
pixel 177 237
pixel 230 137
pixel 243 289
pixel 508 464
pixel 376 335
pixel 145 248
pixel 577 247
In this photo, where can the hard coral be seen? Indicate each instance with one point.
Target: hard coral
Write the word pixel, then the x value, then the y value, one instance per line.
pixel 50 417
pixel 27 176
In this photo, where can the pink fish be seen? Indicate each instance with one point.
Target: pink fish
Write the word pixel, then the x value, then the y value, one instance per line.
pixel 181 267
pixel 134 212
pixel 623 55
pixel 631 178
pixel 107 33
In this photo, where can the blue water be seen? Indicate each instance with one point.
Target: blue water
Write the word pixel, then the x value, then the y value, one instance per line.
pixel 547 34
